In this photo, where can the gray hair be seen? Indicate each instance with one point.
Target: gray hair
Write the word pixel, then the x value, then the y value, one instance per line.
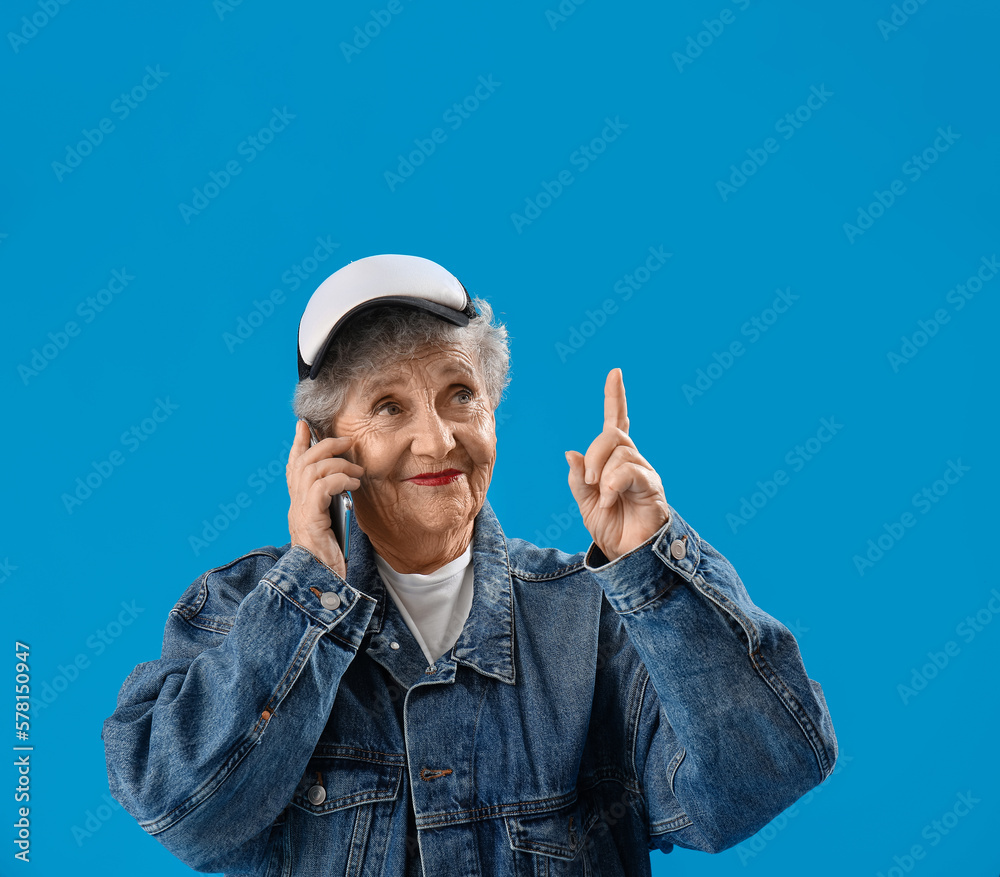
pixel 378 338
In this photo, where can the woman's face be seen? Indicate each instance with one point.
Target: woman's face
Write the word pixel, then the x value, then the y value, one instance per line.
pixel 425 434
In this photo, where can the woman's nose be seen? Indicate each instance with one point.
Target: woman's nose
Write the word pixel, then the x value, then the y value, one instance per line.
pixel 433 436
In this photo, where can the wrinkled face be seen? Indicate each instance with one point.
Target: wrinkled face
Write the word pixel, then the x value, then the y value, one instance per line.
pixel 425 434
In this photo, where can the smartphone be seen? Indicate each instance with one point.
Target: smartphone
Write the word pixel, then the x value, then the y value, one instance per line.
pixel 340 510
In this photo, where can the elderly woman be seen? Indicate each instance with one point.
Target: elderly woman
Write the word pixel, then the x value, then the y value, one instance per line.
pixel 448 701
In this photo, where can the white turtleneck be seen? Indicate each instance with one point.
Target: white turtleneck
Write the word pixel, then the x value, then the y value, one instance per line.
pixel 434 606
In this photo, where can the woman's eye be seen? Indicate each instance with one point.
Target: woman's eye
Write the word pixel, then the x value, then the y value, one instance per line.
pixel 390 408
pixel 464 397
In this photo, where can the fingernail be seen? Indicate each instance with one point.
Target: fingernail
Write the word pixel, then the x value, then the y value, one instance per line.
pixel 591 477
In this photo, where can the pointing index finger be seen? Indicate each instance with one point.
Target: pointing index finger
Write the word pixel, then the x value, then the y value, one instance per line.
pixel 615 409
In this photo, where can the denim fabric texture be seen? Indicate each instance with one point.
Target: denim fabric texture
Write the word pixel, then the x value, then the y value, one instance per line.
pixel 589 712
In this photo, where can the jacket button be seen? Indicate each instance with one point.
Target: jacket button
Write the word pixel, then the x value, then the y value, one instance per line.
pixel 677 549
pixel 394 645
pixel 316 795
pixel 329 600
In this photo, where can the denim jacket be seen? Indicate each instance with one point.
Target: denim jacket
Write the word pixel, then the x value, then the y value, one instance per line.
pixel 589 712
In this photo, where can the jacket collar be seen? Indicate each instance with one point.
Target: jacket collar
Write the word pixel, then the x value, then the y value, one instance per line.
pixel 486 643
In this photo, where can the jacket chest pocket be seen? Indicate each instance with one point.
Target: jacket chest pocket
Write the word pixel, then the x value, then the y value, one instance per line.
pixel 553 844
pixel 341 808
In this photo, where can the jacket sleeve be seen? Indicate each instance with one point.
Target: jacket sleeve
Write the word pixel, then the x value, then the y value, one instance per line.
pixel 208 743
pixel 728 730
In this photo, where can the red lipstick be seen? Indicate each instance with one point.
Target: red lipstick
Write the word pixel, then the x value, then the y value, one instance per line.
pixel 435 479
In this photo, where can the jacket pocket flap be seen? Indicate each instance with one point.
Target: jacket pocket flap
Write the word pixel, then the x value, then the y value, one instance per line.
pixel 560 833
pixel 343 776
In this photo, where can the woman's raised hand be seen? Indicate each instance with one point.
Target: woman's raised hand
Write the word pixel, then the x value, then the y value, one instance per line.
pixel 620 495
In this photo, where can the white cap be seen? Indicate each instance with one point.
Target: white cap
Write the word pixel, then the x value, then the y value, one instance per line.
pixel 377 281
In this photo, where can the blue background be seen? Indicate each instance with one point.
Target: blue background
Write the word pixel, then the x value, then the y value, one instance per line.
pixel 160 344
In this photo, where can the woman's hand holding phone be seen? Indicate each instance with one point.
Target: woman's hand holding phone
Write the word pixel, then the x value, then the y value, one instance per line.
pixel 315 475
